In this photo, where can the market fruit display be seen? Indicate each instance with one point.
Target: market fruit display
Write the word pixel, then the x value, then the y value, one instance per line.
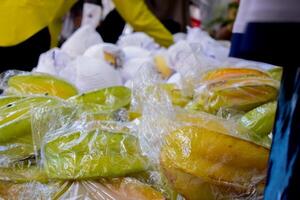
pixel 94 154
pixel 202 134
pixel 261 119
pixel 162 67
pixel 234 91
pixel 107 99
pixel 205 164
pixel 44 84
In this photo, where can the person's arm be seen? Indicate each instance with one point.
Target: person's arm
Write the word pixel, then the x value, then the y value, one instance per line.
pixel 137 14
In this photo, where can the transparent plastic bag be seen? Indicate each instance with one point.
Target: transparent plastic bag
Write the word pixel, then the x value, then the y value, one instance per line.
pixel 204 156
pixel 77 145
pixel 28 191
pixel 109 189
pixel 105 189
pixel 15 128
pixel 234 88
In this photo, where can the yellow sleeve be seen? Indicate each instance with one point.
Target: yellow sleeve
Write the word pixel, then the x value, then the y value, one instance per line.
pixel 137 14
pixel 21 19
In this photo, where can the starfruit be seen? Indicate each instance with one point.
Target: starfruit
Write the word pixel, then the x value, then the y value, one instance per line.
pixel 23 174
pixel 107 99
pixel 130 188
pixel 40 84
pixel 8 99
pixel 108 189
pixel 206 164
pixel 261 119
pixel 15 127
pixel 162 66
pixel 227 73
pixel 176 95
pixel 241 94
pixel 94 154
pixel 276 73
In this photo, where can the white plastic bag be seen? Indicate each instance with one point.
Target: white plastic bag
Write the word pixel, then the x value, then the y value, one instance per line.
pixel 132 66
pixel 135 52
pixel 88 74
pixel 81 40
pixel 107 52
pixel 53 61
pixel 138 39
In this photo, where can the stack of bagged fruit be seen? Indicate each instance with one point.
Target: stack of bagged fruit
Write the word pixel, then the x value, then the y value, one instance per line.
pixel 58 144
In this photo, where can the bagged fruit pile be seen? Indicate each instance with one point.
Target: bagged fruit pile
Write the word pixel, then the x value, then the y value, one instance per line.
pixel 137 121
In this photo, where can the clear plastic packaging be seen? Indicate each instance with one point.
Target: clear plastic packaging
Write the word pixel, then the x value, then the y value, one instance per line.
pixel 15 128
pixel 104 189
pixel 78 145
pixel 234 88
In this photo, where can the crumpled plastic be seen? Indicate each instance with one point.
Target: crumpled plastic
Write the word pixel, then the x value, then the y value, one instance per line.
pixel 52 62
pixel 105 189
pixel 75 144
pixel 83 38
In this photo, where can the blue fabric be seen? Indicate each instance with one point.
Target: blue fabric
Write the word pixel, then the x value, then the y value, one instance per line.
pixel 283 181
pixel 278 44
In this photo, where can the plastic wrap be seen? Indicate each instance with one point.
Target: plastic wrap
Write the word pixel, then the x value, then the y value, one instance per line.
pixel 25 83
pixel 28 191
pixel 104 189
pixel 204 156
pixel 234 88
pixel 110 189
pixel 106 99
pixel 15 127
pixel 77 145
